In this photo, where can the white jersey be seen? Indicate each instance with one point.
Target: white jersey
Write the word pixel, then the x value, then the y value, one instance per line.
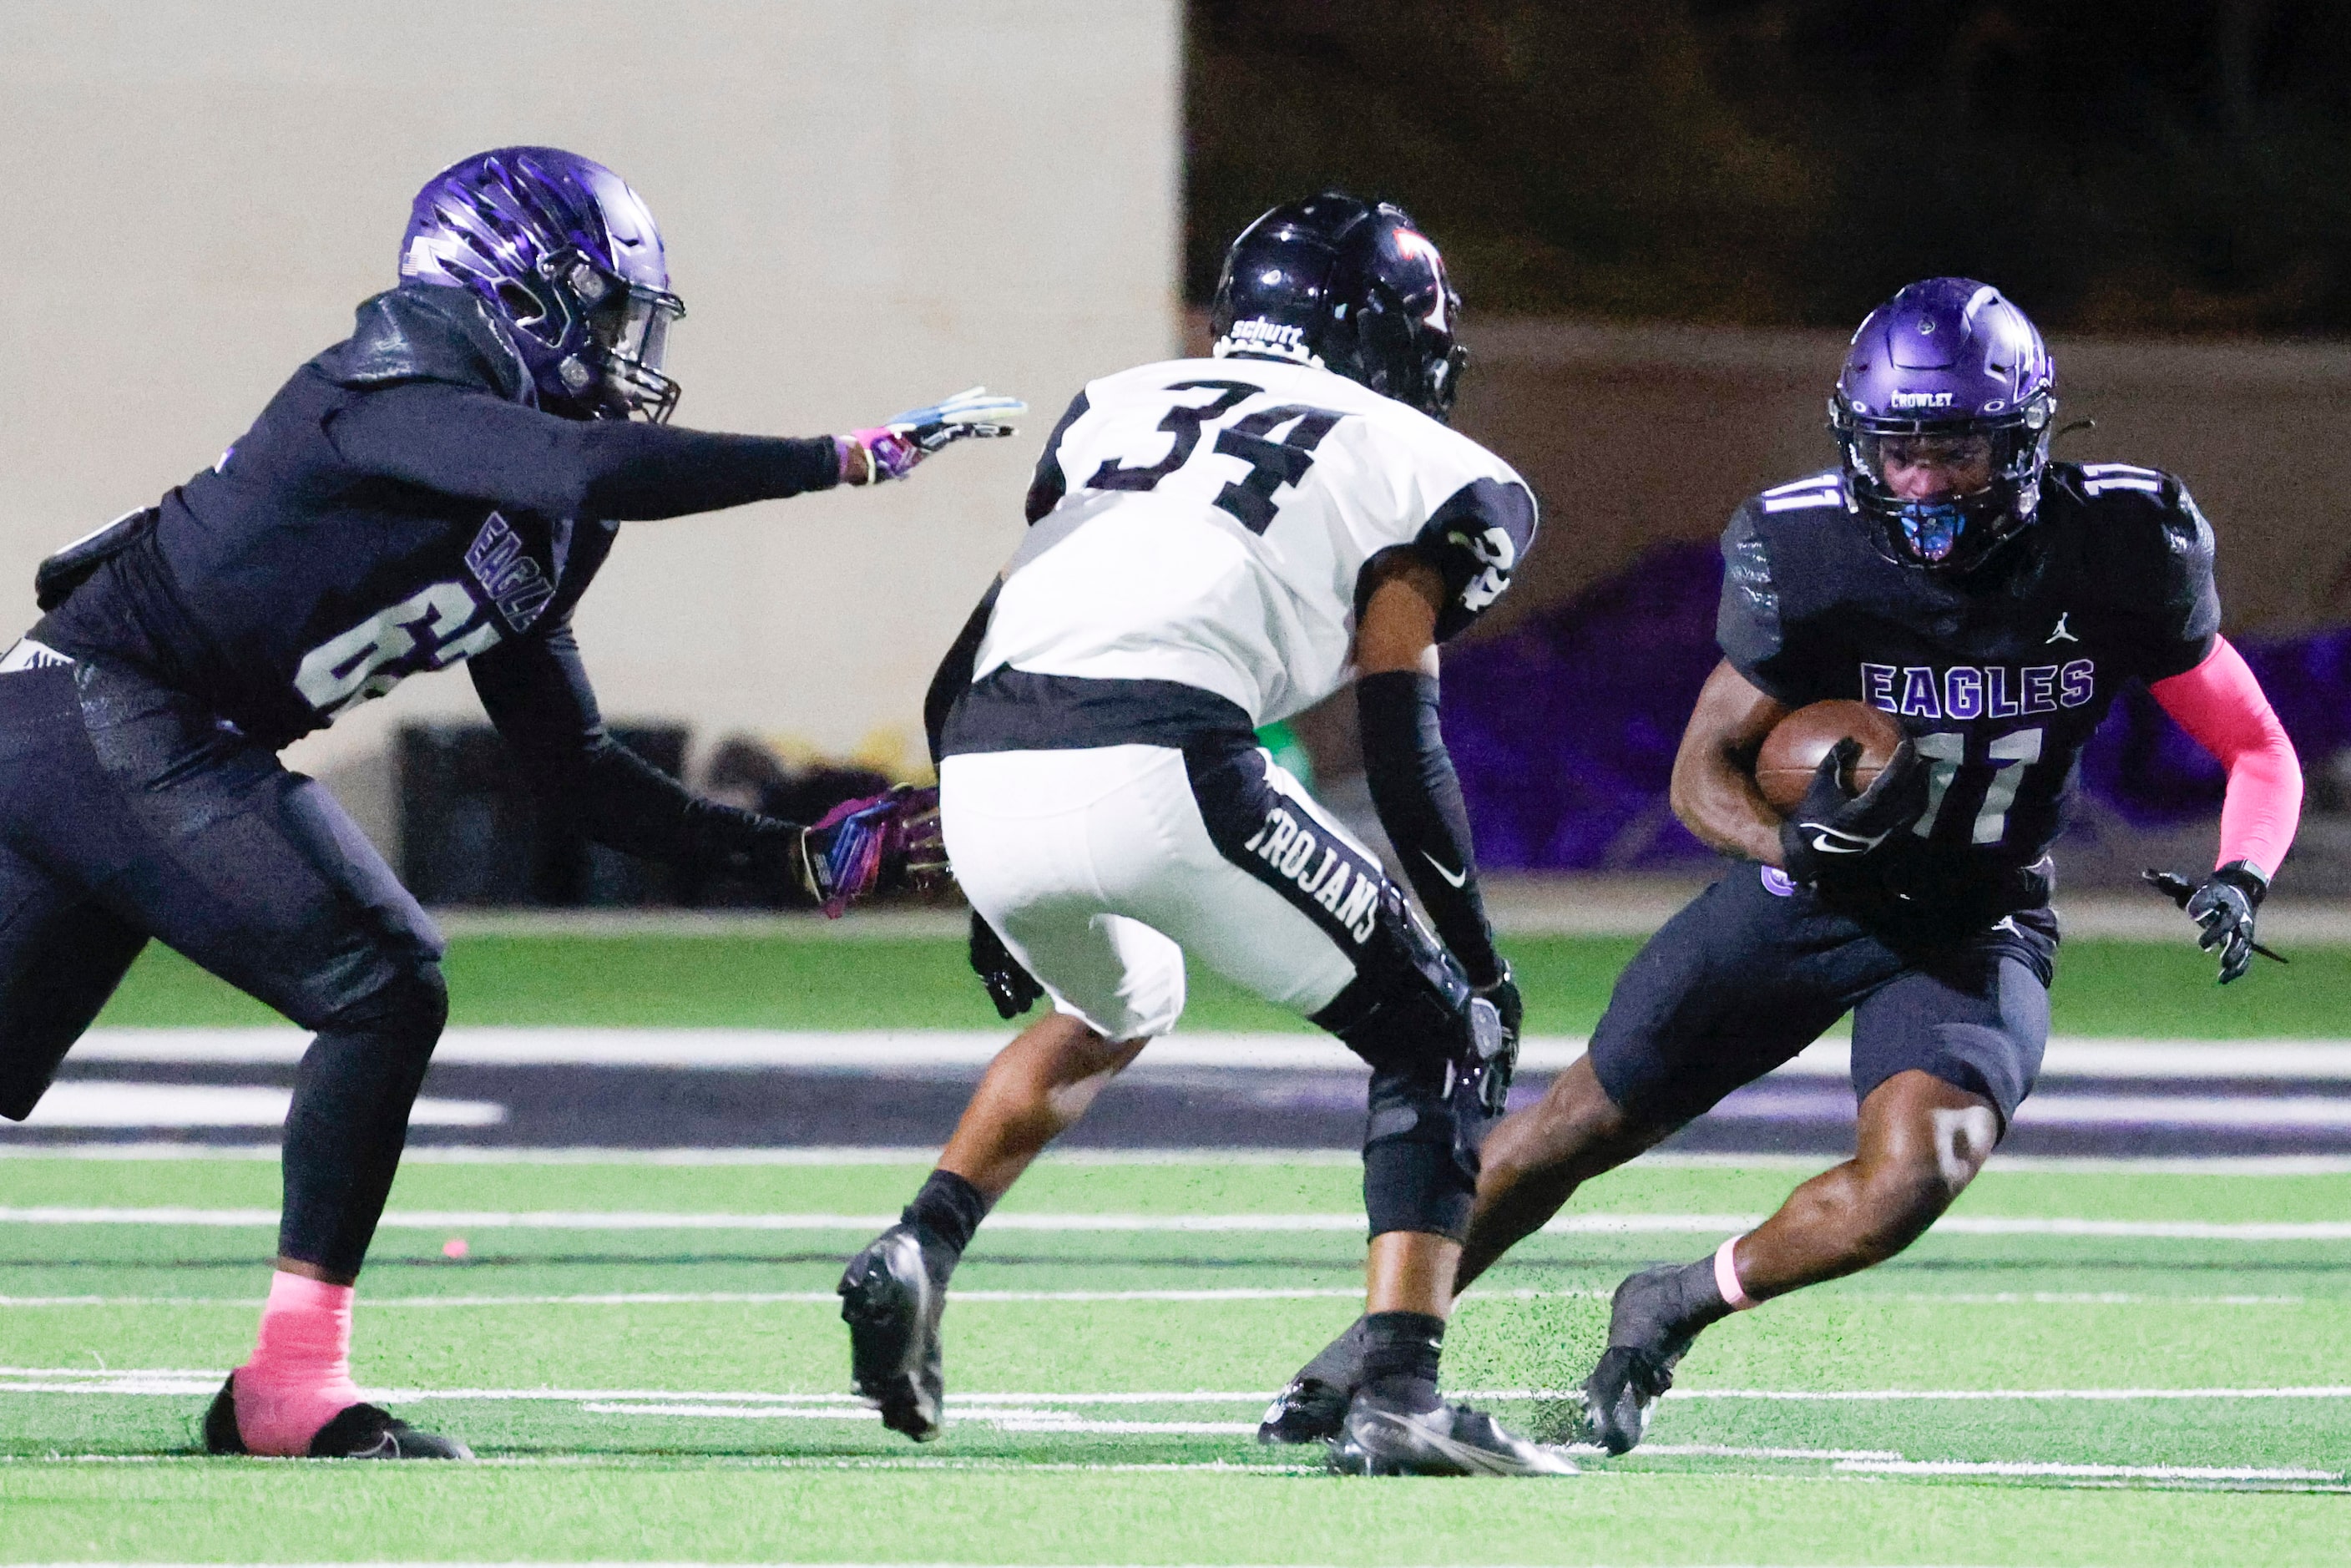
pixel 1207 522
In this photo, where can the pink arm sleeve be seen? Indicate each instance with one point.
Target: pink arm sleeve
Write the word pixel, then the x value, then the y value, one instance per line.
pixel 2221 704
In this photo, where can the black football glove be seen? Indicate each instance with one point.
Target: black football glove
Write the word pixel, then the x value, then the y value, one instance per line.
pixel 1831 832
pixel 2225 906
pixel 1495 1039
pixel 1011 987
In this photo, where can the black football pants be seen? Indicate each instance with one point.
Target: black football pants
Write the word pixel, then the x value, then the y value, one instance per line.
pixel 126 812
pixel 1754 969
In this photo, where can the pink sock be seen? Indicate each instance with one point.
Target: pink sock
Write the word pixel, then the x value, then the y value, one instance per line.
pixel 300 1373
pixel 1726 1276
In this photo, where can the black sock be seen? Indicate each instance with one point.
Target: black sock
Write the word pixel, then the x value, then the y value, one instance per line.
pixel 1690 1301
pixel 1400 1358
pixel 943 1215
pixel 1700 1297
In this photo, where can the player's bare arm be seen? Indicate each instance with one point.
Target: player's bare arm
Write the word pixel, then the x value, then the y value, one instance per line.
pixel 1713 790
pixel 1398 630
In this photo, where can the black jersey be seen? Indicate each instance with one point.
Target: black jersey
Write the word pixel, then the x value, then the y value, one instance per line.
pixel 1999 678
pixel 402 505
pixel 399 506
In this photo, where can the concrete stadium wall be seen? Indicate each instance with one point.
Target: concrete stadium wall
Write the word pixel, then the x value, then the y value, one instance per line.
pixel 1636 436
pixel 866 206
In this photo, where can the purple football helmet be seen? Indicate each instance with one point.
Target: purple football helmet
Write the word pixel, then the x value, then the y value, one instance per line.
pixel 1949 378
pixel 567 255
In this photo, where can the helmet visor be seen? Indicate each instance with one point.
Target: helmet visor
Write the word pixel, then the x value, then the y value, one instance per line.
pixel 1930 465
pixel 633 330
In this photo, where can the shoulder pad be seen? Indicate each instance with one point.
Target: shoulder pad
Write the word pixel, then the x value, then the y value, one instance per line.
pixel 2153 544
pixel 1475 540
pixel 418 332
pixel 1815 491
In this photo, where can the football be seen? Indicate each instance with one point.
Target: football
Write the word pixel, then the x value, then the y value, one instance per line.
pixel 1783 768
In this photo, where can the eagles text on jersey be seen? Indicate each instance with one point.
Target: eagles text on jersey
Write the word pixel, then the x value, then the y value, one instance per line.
pixel 1999 678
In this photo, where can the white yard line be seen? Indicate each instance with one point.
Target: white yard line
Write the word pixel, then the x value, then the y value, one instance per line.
pixel 924 1158
pixel 759 1298
pixel 2080 1472
pixel 90 1105
pixel 460 1221
pixel 180 1381
pixel 886 1050
pixel 1231 1293
pixel 1997 1395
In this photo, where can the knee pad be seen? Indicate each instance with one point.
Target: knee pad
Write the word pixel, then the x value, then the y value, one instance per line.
pixel 1420 1163
pixel 403 1000
pixel 1440 1073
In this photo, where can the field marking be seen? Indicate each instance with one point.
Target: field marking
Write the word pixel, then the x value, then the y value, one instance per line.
pixel 1890 1395
pixel 2081 1472
pixel 1633 1224
pixel 1227 1293
pixel 924 1158
pixel 911 1049
pixel 771 1298
pixel 184 1381
pixel 1003 1418
pixel 86 1104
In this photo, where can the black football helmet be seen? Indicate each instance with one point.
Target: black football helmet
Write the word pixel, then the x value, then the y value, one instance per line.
pixel 1350 286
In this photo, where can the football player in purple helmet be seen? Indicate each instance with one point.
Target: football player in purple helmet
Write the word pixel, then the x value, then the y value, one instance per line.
pixel 439 487
pixel 1992 601
pixel 1943 413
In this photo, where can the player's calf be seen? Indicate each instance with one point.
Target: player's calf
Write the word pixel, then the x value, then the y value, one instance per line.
pixel 1920 1142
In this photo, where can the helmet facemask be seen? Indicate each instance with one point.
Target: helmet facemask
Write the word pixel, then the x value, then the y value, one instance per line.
pixel 628 324
pixel 1951 531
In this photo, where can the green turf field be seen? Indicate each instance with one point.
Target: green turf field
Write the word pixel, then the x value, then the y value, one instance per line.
pixel 647 1381
pixel 2129 988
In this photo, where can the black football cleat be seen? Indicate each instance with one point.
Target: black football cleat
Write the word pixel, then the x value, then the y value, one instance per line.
pixel 891 1306
pixel 1619 1395
pixel 357 1432
pixel 1378 1439
pixel 1649 1331
pixel 1314 1405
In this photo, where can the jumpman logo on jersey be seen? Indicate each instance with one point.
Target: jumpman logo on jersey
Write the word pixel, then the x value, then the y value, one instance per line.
pixel 2061 635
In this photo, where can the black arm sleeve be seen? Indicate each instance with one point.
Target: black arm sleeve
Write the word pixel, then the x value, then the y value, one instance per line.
pixel 462 442
pixel 1418 797
pixel 535 691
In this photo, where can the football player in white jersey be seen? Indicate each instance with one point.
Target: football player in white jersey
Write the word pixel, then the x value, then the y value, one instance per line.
pixel 1216 544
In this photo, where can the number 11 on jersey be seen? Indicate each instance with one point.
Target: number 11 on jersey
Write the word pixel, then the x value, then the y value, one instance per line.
pixel 1946 752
